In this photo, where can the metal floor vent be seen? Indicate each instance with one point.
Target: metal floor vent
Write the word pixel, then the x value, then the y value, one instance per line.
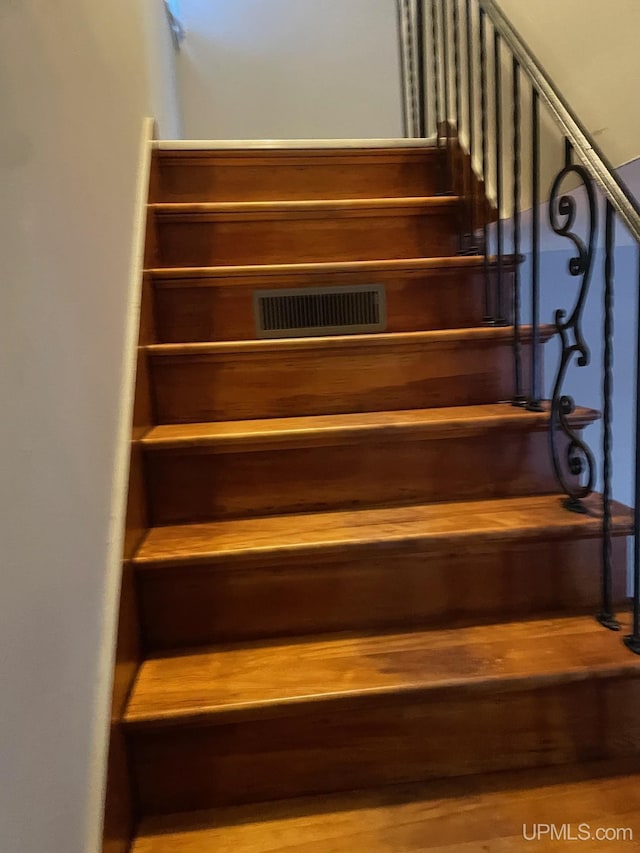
pixel 315 311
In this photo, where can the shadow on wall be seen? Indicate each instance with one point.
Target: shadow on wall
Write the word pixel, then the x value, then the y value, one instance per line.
pixel 287 69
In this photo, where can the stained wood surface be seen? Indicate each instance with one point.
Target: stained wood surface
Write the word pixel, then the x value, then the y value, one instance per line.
pixel 452 422
pixel 257 681
pixel 438 527
pixel 379 584
pixel 294 210
pixel 297 377
pixel 342 714
pixel 192 486
pixel 380 742
pixel 289 232
pixel 203 276
pixel 222 308
pixel 392 591
pixel 294 175
pixel 216 303
pixel 453 816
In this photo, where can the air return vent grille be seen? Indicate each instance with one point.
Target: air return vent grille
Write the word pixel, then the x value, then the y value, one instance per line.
pixel 314 311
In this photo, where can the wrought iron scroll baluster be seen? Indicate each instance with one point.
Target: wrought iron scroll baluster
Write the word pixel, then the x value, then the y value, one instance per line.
pixel 579 481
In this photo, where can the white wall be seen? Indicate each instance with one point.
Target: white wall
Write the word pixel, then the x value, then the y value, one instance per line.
pixel 73 96
pixel 290 69
pixel 591 50
pixel 161 61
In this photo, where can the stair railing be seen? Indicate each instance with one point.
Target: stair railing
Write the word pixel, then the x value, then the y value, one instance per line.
pixel 495 112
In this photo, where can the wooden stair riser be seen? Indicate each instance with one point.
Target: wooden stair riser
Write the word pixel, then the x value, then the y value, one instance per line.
pixel 271 383
pixel 369 588
pixel 465 815
pixel 305 236
pixel 197 486
pixel 200 176
pixel 222 309
pixel 339 746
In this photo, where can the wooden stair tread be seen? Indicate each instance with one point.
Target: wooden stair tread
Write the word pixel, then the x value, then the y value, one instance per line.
pixel 481 334
pixel 247 682
pixel 327 268
pixel 298 152
pixel 419 204
pixel 445 523
pixel 322 429
pixel 452 816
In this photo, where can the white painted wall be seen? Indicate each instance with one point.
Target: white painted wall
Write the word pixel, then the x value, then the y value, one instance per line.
pixel 290 69
pixel 74 92
pixel 591 50
pixel 162 76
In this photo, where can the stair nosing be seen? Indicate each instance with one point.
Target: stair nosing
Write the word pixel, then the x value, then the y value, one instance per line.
pixel 315 148
pixel 220 712
pixel 176 276
pixel 573 526
pixel 477 334
pixel 347 428
pixel 418 203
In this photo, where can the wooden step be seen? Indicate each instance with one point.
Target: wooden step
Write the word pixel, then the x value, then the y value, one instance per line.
pixel 259 722
pixel 431 565
pixel 486 813
pixel 217 303
pixel 199 472
pixel 333 375
pixel 294 174
pixel 284 232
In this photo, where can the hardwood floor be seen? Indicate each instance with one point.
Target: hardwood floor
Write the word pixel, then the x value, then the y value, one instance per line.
pixel 363 617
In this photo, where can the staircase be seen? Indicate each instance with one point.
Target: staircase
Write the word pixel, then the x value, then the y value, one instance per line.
pixel 365 618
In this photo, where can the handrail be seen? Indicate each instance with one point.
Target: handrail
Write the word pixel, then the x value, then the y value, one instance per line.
pixel 595 162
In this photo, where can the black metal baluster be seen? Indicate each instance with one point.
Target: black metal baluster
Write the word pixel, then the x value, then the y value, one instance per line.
pixel 437 86
pixel 445 73
pixel 456 65
pixel 499 308
pixel 633 639
pixel 457 170
pixel 444 28
pixel 488 315
pixel 518 397
pixel 534 404
pixel 436 68
pixel 420 70
pixel 471 242
pixel 606 616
